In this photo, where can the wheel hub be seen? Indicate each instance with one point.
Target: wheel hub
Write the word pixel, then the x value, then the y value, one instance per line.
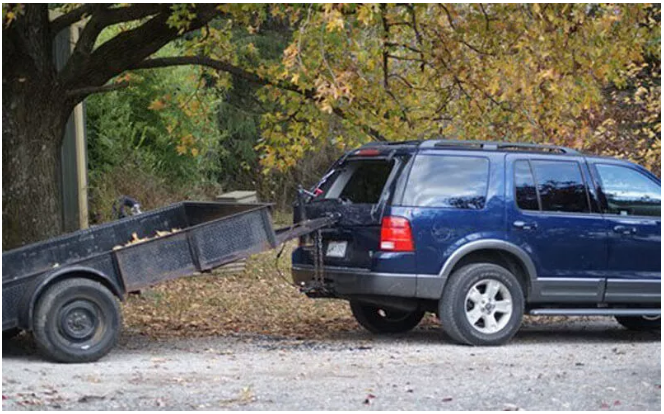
pixel 78 321
pixel 488 306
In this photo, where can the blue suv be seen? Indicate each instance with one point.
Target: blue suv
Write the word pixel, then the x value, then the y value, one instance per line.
pixel 482 233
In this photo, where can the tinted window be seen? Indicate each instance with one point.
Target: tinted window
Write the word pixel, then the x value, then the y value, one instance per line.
pixel 628 192
pixel 447 181
pixel 526 194
pixel 561 186
pixel 359 182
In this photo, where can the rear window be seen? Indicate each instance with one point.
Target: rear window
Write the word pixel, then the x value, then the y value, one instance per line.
pixel 448 181
pixel 359 182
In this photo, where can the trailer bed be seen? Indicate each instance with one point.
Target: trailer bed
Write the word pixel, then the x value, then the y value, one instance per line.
pixel 194 237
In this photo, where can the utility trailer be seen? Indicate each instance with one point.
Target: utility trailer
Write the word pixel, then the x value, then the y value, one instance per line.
pixel 65 289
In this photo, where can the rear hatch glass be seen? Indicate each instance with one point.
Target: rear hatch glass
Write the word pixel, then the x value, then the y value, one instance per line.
pixel 359 182
pixel 357 190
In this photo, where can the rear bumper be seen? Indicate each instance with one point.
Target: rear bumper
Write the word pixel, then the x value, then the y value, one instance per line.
pixel 344 281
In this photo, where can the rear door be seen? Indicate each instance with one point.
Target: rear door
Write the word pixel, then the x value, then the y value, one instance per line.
pixel 552 215
pixel 357 191
pixel 631 201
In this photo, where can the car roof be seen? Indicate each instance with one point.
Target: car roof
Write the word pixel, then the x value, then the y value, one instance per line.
pixel 495 146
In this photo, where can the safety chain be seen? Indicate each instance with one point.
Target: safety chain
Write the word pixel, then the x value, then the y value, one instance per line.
pixel 318 258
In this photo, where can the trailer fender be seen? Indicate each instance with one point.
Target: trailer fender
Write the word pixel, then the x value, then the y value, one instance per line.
pixel 39 286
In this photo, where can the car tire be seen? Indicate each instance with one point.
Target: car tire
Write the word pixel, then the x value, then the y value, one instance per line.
pixel 640 323
pixel 379 320
pixel 482 304
pixel 10 334
pixel 76 320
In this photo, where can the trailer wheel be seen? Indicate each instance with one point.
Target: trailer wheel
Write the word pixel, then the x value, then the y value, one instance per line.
pixel 76 320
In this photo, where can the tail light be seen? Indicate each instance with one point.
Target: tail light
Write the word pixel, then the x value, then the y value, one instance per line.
pixel 395 235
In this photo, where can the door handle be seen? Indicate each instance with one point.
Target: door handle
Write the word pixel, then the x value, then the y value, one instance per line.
pixel 626 230
pixel 524 226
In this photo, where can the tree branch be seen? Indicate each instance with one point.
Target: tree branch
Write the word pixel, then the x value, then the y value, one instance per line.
pixel 103 18
pixel 128 48
pixel 83 92
pixel 386 34
pixel 62 22
pixel 248 76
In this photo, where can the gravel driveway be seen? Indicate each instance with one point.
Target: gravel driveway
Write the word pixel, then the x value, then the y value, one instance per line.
pixel 567 365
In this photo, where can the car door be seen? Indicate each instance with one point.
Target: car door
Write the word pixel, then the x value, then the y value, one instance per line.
pixel 630 198
pixel 552 216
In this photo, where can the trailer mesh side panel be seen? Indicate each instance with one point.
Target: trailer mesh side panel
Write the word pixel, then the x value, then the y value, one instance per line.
pixel 232 238
pixel 155 261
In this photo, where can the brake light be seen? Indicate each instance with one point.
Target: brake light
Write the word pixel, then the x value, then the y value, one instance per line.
pixel 367 152
pixel 395 235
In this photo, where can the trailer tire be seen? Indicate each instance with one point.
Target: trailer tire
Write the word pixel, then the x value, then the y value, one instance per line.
pixel 76 320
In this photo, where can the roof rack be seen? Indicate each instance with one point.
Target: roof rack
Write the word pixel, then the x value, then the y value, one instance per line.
pixel 392 143
pixel 488 145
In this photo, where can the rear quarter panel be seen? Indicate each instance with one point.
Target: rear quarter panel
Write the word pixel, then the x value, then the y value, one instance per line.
pixel 438 231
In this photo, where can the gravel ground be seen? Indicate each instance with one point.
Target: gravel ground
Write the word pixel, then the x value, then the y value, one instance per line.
pixel 567 365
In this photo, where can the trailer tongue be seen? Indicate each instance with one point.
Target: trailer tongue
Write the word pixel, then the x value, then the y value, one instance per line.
pixel 62 289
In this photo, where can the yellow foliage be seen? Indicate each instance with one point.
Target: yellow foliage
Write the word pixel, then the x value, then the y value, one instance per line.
pixel 157 105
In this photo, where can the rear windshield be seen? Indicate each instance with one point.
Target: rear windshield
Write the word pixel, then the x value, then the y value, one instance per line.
pixel 448 181
pixel 358 182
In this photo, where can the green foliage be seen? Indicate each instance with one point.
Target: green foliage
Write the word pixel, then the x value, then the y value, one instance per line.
pixel 164 127
pixel 164 119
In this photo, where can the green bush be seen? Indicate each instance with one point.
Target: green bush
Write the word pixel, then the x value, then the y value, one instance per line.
pixel 163 128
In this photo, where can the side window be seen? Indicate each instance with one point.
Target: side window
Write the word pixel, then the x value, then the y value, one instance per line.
pixel 524 183
pixel 448 181
pixel 629 192
pixel 560 185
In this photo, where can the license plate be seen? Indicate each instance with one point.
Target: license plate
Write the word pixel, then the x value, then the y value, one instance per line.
pixel 336 249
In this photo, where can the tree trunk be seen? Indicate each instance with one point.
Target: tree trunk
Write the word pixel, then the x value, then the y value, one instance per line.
pixel 35 109
pixel 33 126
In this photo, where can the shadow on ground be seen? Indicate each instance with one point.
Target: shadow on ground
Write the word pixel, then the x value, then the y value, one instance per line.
pixel 542 333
